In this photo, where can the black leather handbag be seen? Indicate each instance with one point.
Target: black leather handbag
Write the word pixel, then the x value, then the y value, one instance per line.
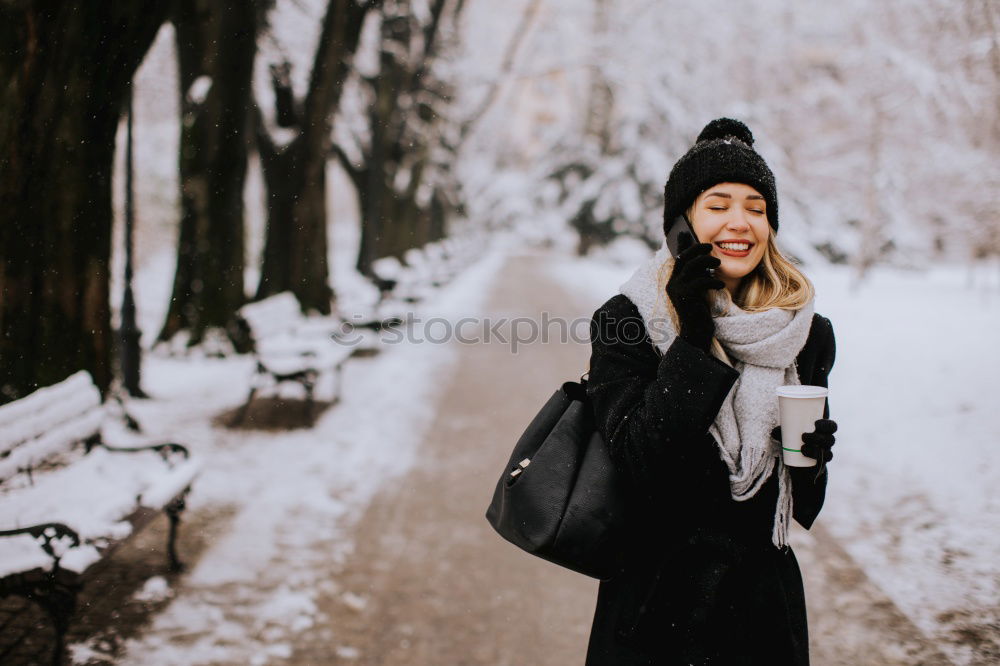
pixel 559 497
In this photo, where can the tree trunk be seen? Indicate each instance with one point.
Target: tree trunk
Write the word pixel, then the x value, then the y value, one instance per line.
pixel 391 222
pixel 438 217
pixel 403 126
pixel 384 225
pixel 372 195
pixel 216 41
pixel 66 70
pixel 295 251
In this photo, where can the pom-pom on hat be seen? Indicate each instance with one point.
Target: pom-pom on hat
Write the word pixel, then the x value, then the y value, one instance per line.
pixel 723 153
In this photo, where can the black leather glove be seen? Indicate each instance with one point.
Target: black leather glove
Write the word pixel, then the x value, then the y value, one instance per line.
pixel 817 444
pixel 687 289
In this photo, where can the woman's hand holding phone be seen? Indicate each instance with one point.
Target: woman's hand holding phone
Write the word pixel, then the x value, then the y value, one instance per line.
pixel 688 287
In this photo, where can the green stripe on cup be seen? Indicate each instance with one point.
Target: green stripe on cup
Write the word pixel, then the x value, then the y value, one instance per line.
pixel 785 448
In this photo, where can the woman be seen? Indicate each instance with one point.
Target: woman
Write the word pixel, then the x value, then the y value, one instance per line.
pixel 685 362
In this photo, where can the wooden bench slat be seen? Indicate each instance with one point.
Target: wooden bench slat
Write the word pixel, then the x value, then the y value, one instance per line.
pixel 319 328
pixel 37 413
pixel 52 416
pixel 170 485
pixel 32 402
pixel 387 268
pixel 93 494
pixel 273 315
pixel 59 438
pixel 287 345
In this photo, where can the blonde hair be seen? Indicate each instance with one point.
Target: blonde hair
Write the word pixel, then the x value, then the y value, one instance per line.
pixel 775 283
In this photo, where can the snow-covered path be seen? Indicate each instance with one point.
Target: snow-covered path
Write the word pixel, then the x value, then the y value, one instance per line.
pixel 430 583
pixel 294 493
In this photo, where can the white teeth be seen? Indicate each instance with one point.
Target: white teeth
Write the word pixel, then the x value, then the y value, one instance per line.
pixel 735 246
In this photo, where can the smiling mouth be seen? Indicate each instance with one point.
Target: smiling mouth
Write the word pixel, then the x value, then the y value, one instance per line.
pixel 735 248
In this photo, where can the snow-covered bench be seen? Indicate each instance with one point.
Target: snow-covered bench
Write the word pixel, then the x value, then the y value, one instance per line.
pixel 444 264
pixel 67 498
pixel 421 272
pixel 397 284
pixel 290 347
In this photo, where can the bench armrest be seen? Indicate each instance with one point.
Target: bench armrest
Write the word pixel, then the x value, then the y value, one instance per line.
pixel 166 450
pixel 48 532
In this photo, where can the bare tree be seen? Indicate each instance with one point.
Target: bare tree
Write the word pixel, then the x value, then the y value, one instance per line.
pixel 401 169
pixel 65 70
pixel 216 45
pixel 295 251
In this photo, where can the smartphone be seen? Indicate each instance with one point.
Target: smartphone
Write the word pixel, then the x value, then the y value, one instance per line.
pixel 679 225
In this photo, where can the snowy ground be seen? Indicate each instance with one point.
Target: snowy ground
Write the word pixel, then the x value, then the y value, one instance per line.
pixel 913 494
pixel 294 493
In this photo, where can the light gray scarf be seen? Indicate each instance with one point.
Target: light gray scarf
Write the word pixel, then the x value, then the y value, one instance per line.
pixel 762 347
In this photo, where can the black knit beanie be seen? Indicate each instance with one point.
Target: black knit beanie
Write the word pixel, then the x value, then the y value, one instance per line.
pixel 723 153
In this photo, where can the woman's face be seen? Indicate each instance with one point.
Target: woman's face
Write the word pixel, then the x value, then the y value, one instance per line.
pixel 733 218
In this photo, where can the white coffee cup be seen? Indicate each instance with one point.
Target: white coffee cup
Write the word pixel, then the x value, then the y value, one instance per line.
pixel 799 406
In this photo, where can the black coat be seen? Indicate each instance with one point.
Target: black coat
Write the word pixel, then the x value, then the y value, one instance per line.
pixel 702 584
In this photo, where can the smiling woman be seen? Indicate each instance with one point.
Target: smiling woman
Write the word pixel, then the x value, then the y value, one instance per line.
pixel 733 218
pixel 688 411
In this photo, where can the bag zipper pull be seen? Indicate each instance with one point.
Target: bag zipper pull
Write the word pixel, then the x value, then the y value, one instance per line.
pixel 521 466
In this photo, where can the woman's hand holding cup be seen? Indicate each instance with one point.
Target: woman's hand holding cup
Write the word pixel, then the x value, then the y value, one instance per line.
pixel 817 444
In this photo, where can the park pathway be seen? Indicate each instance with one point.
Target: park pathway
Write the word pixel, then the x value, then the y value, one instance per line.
pixel 430 584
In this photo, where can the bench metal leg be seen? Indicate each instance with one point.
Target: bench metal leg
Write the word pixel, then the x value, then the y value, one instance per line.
pixel 309 385
pixel 337 382
pixel 173 511
pixel 58 600
pixel 60 605
pixel 242 414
